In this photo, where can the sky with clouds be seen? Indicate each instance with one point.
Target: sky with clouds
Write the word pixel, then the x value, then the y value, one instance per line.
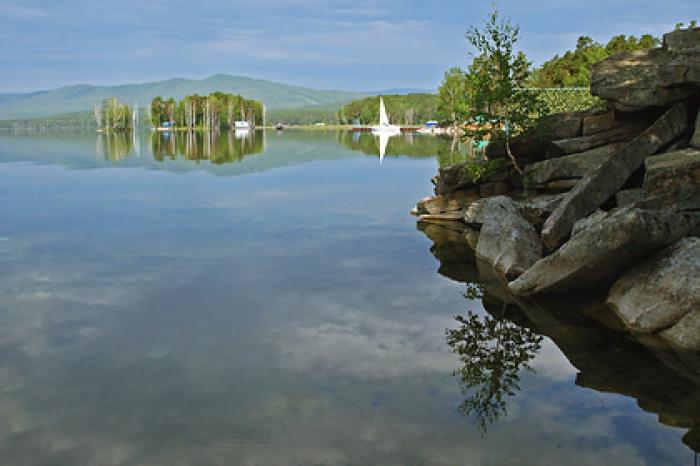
pixel 358 44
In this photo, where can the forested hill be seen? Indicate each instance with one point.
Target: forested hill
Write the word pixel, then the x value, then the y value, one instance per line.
pixel 82 97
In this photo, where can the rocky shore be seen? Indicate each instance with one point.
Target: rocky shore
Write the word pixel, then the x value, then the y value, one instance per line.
pixel 608 205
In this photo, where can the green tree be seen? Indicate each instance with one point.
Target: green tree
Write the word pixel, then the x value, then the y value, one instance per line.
pixel 501 107
pixel 454 100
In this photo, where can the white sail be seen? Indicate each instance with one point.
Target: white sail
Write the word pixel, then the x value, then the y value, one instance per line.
pixel 383 118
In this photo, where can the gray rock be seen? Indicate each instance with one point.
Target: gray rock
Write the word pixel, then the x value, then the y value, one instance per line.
pixel 608 178
pixel 683 69
pixel 629 197
pixel 598 253
pixel 632 81
pixel 659 292
pixel 695 140
pixel 672 170
pixel 585 222
pixel 599 122
pixel 445 203
pixel 682 40
pixel 559 186
pixel 479 212
pixel 585 143
pixel 508 241
pixel 686 332
pixel 570 166
pixel 531 146
pixel 536 210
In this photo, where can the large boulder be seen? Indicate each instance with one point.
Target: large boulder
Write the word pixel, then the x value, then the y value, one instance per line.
pixel 610 176
pixel 599 252
pixel 507 241
pixel 633 81
pixel 672 170
pixel 683 68
pixel 535 209
pixel 659 292
pixel 571 166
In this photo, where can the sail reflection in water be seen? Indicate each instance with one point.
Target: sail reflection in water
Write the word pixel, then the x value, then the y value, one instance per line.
pixel 217 147
pixel 411 145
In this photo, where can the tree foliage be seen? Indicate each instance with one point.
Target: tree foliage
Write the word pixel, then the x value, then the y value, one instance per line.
pixel 113 115
pixel 454 97
pixel 497 77
pixel 573 69
pixel 217 110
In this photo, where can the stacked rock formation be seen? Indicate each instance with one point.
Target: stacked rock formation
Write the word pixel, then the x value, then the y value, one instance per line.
pixel 609 200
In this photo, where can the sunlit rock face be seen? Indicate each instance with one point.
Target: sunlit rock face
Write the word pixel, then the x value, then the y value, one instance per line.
pixel 662 292
pixel 642 79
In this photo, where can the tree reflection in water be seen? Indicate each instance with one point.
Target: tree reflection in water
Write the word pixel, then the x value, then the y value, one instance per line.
pixel 493 352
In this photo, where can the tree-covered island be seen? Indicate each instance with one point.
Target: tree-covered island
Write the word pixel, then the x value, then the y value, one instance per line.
pixel 218 110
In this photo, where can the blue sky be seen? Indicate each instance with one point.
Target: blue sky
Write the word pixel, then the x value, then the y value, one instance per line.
pixel 358 45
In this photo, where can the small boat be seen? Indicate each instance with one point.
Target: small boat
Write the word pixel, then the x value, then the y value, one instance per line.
pixel 279 127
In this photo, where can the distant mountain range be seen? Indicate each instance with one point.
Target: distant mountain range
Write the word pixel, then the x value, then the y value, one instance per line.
pixel 82 97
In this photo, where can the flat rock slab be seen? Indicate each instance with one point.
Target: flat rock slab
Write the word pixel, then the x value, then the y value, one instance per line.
pixel 570 166
pixel 600 185
pixel 507 241
pixel 581 144
pixel 659 292
pixel 600 252
pixel 672 170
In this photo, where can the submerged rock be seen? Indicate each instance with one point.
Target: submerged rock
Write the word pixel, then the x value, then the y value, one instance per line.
pixel 598 253
pixel 659 292
pixel 600 185
pixel 507 241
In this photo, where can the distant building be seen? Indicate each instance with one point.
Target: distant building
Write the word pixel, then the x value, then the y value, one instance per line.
pixel 431 124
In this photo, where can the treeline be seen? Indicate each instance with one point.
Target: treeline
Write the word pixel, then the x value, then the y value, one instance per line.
pixel 410 109
pixel 113 115
pixel 559 85
pixel 217 110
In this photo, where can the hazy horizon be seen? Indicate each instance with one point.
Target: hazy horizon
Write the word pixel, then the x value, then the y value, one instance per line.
pixel 358 46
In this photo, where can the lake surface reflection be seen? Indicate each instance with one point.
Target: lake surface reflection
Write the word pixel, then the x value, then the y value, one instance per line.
pixel 268 300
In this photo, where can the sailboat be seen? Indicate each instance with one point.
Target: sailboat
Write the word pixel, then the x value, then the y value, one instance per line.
pixel 384 125
pixel 385 130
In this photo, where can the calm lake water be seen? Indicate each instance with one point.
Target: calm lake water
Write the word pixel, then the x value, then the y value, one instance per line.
pixel 269 300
